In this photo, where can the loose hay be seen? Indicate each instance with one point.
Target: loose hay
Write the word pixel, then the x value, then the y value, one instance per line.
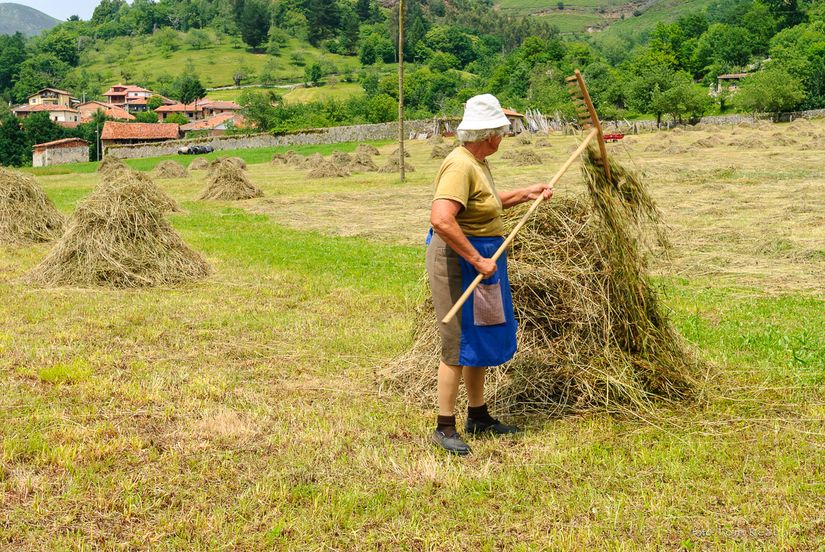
pixel 441 151
pixel 111 182
pixel 524 139
pixel 27 215
pixel 236 161
pixel 394 166
pixel 395 153
pixel 543 143
pixel 362 162
pixel 312 161
pixel 368 149
pixel 708 142
pixel 199 164
pixel 111 164
pixel 170 169
pixel 524 158
pixel 328 169
pixel 227 181
pixel 118 237
pixel 591 332
pixel 341 159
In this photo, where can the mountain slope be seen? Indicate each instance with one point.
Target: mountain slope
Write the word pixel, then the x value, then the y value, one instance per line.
pixel 29 21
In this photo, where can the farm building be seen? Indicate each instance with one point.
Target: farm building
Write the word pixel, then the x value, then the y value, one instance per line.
pixel 52 97
pixel 122 95
pixel 214 126
pixel 516 121
pixel 60 152
pixel 729 81
pixel 63 115
pixel 88 109
pixel 115 134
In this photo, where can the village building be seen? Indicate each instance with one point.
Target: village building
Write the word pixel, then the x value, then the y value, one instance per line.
pixel 215 126
pixel 211 108
pixel 60 152
pixel 53 97
pixel 192 111
pixel 115 133
pixel 62 115
pixel 517 121
pixel 88 110
pixel 122 95
pixel 729 81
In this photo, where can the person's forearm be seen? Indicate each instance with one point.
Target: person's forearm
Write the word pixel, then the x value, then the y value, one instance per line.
pixel 514 197
pixel 451 233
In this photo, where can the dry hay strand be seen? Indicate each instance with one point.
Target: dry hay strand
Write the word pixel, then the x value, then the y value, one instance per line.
pixel 524 139
pixel 327 169
pixel 543 143
pixel 111 164
pixel 524 158
pixel 591 334
pixel 368 149
pixel 340 158
pixel 394 166
pixel 227 181
pixel 779 139
pixel 441 151
pixel 27 215
pixel 362 162
pixel 118 237
pixel 708 142
pixel 199 164
pixel 170 169
pixel 112 181
pixel 750 142
pixel 221 161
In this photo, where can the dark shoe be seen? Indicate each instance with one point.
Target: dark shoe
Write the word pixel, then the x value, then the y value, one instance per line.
pixel 493 427
pixel 452 444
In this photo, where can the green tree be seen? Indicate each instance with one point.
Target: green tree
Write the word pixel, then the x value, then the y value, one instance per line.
pixel 188 88
pixel 381 109
pixel 39 128
pixel 154 102
pixel 313 74
pixel 253 22
pixel 176 118
pixel 772 90
pixel 61 44
pixel 167 40
pixel 722 43
pixel 12 55
pixel 39 71
pixel 14 151
pixel 146 117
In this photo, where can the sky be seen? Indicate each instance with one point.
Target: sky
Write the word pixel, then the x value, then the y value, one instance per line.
pixel 61 9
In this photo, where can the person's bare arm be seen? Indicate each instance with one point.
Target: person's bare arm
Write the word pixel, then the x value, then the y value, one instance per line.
pixel 514 197
pixel 442 219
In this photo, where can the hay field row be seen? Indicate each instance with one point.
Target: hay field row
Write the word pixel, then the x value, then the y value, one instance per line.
pixel 243 412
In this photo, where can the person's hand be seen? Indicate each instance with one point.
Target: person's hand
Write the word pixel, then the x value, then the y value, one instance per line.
pixel 539 189
pixel 486 267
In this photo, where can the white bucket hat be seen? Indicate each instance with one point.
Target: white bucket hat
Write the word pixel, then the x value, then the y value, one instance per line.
pixel 483 112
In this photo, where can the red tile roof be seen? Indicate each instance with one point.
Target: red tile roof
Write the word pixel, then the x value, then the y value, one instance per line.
pixel 126 88
pixel 68 124
pixel 52 90
pixel 139 131
pixel 88 110
pixel 179 108
pixel 43 107
pixel 213 122
pixel 511 113
pixel 227 106
pixel 64 143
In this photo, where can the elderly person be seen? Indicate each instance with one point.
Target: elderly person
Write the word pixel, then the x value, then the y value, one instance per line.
pixel 466 231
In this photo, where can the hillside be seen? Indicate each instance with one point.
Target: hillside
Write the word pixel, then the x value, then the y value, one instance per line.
pixel 29 21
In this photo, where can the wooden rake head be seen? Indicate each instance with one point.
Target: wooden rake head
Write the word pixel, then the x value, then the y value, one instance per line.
pixel 586 114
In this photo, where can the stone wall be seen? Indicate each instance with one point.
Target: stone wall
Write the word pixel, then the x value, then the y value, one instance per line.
pixel 332 135
pixel 60 156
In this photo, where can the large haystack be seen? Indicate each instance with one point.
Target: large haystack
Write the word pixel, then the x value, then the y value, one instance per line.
pixel 328 169
pixel 170 169
pixel 592 334
pixel 110 182
pixel 27 215
pixel 441 151
pixel 362 162
pixel 118 237
pixel 369 149
pixel 111 164
pixel 228 182
pixel 524 158
pixel 199 164
pixel 393 166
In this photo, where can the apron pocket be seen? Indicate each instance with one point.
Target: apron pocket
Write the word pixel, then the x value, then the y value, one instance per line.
pixel 488 306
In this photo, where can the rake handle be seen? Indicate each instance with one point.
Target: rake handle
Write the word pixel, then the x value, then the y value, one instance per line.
pixel 466 295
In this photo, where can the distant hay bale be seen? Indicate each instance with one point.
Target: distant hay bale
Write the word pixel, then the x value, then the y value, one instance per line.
pixel 118 237
pixel 524 139
pixel 524 158
pixel 170 169
pixel 27 215
pixel 111 164
pixel 677 149
pixel 368 149
pixel 312 161
pixel 508 154
pixel 779 139
pixel 362 162
pixel 199 164
pixel 328 169
pixel 395 153
pixel 292 159
pixel 708 142
pixel 226 181
pixel 543 143
pixel 750 142
pixel 677 130
pixel 236 161
pixel 340 158
pixel 393 166
pixel 592 334
pixel 441 151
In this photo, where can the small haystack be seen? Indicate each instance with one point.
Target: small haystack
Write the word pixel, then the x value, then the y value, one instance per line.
pixel 524 139
pixel 368 149
pixel 340 158
pixel 435 139
pixel 708 142
pixel 441 151
pixel 118 237
pixel 328 169
pixel 393 166
pixel 109 184
pixel 111 164
pixel 395 153
pixel 543 143
pixel 312 161
pixel 592 334
pixel 199 164
pixel 27 215
pixel 749 142
pixel 362 162
pixel 170 169
pixel 227 181
pixel 524 158
pixel 236 161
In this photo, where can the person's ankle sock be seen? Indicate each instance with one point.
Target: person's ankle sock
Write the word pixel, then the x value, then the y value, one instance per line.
pixel 480 414
pixel 446 425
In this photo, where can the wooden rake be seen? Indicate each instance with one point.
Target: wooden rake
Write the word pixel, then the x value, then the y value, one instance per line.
pixel 588 120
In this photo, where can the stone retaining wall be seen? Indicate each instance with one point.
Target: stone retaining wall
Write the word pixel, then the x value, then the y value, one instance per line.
pixel 332 135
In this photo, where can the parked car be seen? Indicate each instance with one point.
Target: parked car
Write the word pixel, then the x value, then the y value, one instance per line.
pixel 194 150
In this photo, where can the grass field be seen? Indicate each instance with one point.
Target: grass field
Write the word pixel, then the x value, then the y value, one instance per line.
pixel 244 412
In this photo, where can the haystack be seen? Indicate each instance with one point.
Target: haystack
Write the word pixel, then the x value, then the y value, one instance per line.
pixel 393 166
pixel 525 158
pixel 749 142
pixel 236 161
pixel 362 162
pixel 111 164
pixel 708 142
pixel 524 139
pixel 592 334
pixel 27 215
pixel 312 161
pixel 435 139
pixel 227 181
pixel 441 151
pixel 340 158
pixel 170 169
pixel 543 143
pixel 199 164
pixel 111 182
pixel 328 169
pixel 118 237
pixel 395 153
pixel 368 149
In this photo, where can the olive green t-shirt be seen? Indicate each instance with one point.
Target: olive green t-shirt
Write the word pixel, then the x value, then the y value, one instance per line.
pixel 465 179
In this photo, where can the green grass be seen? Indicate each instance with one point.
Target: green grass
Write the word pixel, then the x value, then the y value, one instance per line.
pixel 337 91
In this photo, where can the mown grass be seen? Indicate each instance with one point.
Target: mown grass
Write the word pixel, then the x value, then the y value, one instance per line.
pixel 244 412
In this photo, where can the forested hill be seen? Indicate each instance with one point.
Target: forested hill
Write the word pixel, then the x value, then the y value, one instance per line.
pixel 16 18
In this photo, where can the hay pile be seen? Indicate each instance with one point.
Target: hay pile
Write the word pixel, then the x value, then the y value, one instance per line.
pixel 749 142
pixel 341 159
pixel 591 332
pixel 227 181
pixel 393 166
pixel 525 158
pixel 367 149
pixel 199 164
pixel 118 237
pixel 362 162
pixel 111 165
pixel 395 153
pixel 328 169
pixel 441 151
pixel 236 161
pixel 524 139
pixel 708 142
pixel 151 192
pixel 779 139
pixel 543 143
pixel 27 215
pixel 170 169
pixel 435 139
pixel 312 161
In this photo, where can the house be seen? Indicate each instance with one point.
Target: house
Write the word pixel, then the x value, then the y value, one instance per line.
pixel 192 111
pixel 60 152
pixel 141 105
pixel 729 81
pixel 517 121
pixel 211 108
pixel 115 133
pixel 122 95
pixel 88 110
pixel 53 97
pixel 64 116
pixel 215 126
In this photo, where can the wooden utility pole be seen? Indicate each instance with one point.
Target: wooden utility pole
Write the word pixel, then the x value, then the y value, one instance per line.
pixel 401 88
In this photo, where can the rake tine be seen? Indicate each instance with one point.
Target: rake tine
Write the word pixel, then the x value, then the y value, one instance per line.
pixel 581 98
